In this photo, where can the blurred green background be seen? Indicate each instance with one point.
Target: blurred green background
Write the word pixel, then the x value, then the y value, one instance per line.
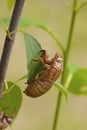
pixel 38 114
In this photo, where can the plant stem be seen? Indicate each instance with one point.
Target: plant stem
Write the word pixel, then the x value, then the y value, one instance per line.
pixel 8 45
pixel 66 57
pixel 67 51
pixel 81 6
pixel 57 111
pixel 53 35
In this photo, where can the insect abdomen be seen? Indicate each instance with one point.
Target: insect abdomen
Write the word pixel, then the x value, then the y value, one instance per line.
pixel 45 79
pixel 37 88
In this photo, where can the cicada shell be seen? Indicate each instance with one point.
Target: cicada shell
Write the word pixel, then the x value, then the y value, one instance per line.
pixel 45 79
pixel 5 120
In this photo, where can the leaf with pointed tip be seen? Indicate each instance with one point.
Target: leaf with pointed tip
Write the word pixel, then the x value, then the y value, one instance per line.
pixel 33 52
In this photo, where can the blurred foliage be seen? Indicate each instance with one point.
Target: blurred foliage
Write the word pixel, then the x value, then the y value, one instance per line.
pixel 78 75
pixel 11 99
pixel 10 3
pixel 78 84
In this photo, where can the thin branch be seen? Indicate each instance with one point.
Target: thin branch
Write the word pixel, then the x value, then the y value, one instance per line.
pixel 8 45
pixel 81 6
pixel 66 58
pixel 53 35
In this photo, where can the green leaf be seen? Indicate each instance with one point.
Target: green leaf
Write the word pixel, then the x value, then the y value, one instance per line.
pixel 11 99
pixel 78 84
pixel 61 89
pixel 71 68
pixel 33 51
pixel 10 3
pixel 25 22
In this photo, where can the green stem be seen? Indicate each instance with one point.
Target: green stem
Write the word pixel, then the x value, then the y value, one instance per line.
pixel 81 6
pixel 10 33
pixel 57 111
pixel 67 51
pixel 53 35
pixel 66 57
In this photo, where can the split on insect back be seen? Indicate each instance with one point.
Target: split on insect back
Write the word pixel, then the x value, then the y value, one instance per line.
pixel 43 72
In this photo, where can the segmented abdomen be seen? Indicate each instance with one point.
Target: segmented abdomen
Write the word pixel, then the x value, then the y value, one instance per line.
pixel 44 81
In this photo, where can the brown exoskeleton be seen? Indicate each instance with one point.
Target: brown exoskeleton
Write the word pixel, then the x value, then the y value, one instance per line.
pixel 5 120
pixel 45 79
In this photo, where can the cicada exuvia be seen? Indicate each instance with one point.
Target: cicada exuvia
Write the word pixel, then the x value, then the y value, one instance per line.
pixel 45 79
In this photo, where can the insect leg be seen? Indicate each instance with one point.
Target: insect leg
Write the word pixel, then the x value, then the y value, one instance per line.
pixel 39 60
